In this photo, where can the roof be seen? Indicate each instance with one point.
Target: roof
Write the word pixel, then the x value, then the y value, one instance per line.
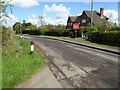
pixel 74 18
pixel 96 17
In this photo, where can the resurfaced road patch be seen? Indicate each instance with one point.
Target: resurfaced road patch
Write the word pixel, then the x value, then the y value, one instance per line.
pixel 67 73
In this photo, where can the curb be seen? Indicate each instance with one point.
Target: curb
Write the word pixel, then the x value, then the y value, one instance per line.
pixel 85 45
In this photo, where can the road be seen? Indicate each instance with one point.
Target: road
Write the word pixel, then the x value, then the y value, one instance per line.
pixel 77 66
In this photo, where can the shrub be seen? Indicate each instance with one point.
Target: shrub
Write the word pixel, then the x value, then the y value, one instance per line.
pixel 53 32
pixel 26 32
pixel 112 37
pixel 35 32
pixel 43 30
pixel 32 32
pixel 7 36
pixel 86 29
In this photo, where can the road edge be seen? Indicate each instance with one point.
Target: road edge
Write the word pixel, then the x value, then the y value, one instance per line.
pixel 85 45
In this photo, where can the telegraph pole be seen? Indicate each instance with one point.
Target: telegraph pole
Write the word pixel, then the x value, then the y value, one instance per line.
pixel 91 12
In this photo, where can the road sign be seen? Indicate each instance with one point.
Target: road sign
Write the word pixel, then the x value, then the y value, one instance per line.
pixel 75 26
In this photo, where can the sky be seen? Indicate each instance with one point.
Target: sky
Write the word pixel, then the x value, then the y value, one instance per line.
pixel 57 11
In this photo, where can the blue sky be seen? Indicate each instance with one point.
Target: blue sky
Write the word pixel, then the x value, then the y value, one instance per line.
pixel 56 12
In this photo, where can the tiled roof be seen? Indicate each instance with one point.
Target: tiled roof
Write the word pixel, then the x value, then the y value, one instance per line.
pixel 74 18
pixel 96 17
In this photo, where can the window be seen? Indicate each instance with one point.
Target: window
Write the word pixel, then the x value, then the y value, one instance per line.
pixel 84 21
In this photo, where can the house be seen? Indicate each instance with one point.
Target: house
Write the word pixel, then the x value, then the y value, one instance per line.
pixel 86 18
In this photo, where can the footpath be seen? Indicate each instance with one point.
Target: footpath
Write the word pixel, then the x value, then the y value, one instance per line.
pixel 43 79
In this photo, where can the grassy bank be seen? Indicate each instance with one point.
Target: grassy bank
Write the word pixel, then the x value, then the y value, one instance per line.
pixel 0 66
pixel 17 64
pixel 82 40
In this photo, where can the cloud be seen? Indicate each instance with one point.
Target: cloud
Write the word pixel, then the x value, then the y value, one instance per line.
pixel 60 12
pixel 10 20
pixel 79 14
pixel 77 0
pixel 112 15
pixel 24 3
pixel 33 19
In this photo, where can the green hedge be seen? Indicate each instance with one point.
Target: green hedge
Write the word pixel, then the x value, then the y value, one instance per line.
pixel 32 32
pixel 64 33
pixel 26 32
pixel 105 37
pixel 35 32
pixel 86 29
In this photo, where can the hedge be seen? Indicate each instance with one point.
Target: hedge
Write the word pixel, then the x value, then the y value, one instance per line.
pixel 105 37
pixel 64 33
pixel 32 32
pixel 86 29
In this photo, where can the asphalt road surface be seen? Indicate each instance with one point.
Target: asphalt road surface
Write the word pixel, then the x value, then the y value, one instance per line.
pixel 77 66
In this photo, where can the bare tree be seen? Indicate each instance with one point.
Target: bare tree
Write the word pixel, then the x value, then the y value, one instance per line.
pixel 42 19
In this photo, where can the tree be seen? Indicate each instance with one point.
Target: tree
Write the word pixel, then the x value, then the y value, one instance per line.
pixel 42 19
pixel 17 27
pixel 7 33
pixel 3 6
pixel 32 27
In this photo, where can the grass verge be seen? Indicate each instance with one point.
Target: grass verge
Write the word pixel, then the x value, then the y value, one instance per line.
pixel 82 40
pixel 0 66
pixel 17 64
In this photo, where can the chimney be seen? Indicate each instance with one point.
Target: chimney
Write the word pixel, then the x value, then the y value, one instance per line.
pixel 101 12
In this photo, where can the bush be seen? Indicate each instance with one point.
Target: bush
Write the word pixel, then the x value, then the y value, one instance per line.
pixel 112 37
pixel 86 29
pixel 115 29
pixel 32 32
pixel 26 32
pixel 7 36
pixel 63 33
pixel 35 32
pixel 43 30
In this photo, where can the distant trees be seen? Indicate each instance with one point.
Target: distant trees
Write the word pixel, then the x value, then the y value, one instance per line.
pixel 42 19
pixel 19 27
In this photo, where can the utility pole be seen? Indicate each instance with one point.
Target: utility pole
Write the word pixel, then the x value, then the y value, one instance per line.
pixel 91 13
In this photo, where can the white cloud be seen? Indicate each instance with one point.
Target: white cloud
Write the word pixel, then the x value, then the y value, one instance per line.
pixel 79 14
pixel 60 12
pixel 33 19
pixel 10 20
pixel 77 0
pixel 24 3
pixel 112 15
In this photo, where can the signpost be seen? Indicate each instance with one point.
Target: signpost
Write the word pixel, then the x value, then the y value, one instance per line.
pixel 75 27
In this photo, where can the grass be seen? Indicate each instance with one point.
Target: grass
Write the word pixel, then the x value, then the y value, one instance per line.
pixel 82 40
pixel 17 64
pixel 0 66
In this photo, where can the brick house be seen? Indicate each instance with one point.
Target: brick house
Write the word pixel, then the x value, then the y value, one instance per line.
pixel 85 19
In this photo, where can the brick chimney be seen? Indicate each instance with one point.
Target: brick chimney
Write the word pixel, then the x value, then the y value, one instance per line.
pixel 101 12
